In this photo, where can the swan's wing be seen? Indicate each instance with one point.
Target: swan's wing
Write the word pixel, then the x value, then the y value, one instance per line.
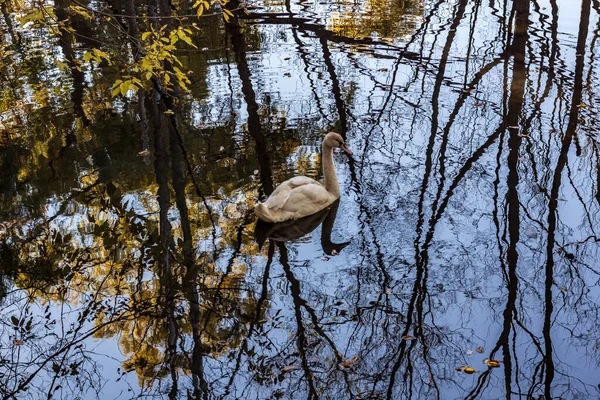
pixel 299 189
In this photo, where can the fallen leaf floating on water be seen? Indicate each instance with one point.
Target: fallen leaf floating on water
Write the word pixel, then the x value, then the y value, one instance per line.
pixel 169 112
pixel 582 105
pixel 462 368
pixel 18 342
pixel 407 337
pixel 564 289
pixel 383 70
pixel 287 58
pixel 470 370
pixel 289 368
pixel 480 349
pixel 350 362
pixel 143 153
pixel 491 363
pixel 287 74
pixel 469 352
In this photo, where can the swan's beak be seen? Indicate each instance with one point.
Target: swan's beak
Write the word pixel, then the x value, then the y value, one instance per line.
pixel 346 150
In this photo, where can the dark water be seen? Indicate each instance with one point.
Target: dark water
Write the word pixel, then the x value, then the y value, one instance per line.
pixel 127 256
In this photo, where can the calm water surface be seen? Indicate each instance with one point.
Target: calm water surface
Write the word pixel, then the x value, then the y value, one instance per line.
pixel 128 263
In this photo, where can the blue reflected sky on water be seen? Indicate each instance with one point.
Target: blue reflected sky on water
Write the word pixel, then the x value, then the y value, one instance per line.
pixel 475 141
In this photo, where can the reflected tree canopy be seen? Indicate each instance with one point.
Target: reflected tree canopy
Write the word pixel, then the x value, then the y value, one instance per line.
pixel 136 137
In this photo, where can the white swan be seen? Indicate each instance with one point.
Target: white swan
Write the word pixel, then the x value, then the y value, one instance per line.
pixel 302 196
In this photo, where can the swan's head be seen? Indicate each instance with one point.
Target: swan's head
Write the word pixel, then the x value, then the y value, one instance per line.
pixel 334 139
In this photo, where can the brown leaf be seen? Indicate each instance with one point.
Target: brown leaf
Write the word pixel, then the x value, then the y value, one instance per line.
pixel 469 370
pixel 287 74
pixel 383 70
pixel 462 368
pixel 350 362
pixel 18 342
pixel 480 349
pixel 407 337
pixel 289 368
pixel 143 153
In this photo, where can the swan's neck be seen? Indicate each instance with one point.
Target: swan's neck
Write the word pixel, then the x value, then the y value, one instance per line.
pixel 331 182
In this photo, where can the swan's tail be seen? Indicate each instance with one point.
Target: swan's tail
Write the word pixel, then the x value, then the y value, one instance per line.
pixel 263 212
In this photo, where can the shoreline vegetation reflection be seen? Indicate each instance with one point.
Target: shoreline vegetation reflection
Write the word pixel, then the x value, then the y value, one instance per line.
pixel 137 137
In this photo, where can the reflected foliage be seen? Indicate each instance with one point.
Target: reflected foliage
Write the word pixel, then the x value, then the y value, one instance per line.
pixel 136 138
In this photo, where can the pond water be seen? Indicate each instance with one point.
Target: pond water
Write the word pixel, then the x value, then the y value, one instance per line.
pixel 465 230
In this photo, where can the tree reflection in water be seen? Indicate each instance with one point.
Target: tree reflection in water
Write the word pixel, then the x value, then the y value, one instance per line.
pixel 472 203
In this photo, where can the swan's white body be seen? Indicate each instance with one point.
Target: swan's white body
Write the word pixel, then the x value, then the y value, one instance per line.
pixel 302 196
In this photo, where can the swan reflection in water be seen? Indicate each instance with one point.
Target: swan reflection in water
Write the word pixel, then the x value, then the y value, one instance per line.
pixel 294 229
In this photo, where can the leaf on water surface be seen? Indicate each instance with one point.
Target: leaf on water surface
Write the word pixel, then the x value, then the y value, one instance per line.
pixel 287 74
pixel 18 342
pixel 289 368
pixel 469 370
pixel 143 153
pixel 169 112
pixel 462 368
pixel 408 337
pixel 564 289
pixel 582 105
pixel 480 349
pixel 383 70
pixel 287 58
pixel 350 362
pixel 491 363
pixel 469 352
